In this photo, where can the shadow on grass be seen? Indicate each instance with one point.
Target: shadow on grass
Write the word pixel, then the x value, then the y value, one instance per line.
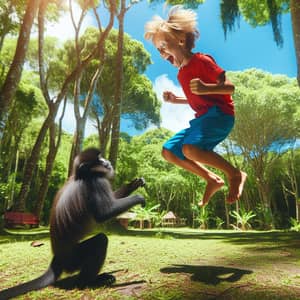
pixel 235 237
pixel 102 280
pixel 211 275
pixel 19 235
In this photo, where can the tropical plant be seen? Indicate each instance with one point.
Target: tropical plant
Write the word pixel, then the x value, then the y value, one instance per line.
pixel 295 225
pixel 146 214
pixel 264 217
pixel 242 218
pixel 203 218
pixel 157 217
pixel 219 222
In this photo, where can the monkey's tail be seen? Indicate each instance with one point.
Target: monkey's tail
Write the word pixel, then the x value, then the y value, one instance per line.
pixel 48 278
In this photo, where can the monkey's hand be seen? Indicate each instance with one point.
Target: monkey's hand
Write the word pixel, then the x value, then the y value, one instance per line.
pixel 136 183
pixel 138 199
pixel 143 201
pixel 127 189
pixel 117 207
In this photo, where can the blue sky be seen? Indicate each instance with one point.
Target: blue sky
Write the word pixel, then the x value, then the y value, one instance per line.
pixel 244 48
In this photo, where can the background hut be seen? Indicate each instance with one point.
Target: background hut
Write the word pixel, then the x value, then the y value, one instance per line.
pixel 169 220
pixel 125 218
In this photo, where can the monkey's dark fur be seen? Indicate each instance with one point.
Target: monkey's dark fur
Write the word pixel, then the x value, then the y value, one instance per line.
pixel 85 199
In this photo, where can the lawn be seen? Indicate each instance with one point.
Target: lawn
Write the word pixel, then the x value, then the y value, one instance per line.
pixel 170 264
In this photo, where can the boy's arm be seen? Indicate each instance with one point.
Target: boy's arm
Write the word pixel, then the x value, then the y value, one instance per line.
pixel 223 86
pixel 170 97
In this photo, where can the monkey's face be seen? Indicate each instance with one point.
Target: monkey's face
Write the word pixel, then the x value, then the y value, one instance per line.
pixel 103 166
pixel 89 164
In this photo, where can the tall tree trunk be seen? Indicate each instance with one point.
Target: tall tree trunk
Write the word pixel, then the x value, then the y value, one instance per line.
pixel 291 176
pixel 77 141
pixel 295 15
pixel 76 105
pixel 104 129
pixel 47 174
pixel 99 53
pixel 81 121
pixel 226 213
pixel 6 31
pixel 264 192
pixel 53 107
pixel 115 135
pixel 15 71
pixel 53 149
pixel 20 204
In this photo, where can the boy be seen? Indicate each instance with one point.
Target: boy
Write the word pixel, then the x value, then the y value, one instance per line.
pixel 208 92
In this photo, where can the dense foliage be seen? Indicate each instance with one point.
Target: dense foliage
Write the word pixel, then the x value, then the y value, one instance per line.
pixel 263 144
pixel 35 152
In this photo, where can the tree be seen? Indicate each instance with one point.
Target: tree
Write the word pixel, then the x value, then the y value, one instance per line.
pixel 80 49
pixel 53 103
pixel 267 123
pixel 256 13
pixel 139 102
pixel 54 143
pixel 291 188
pixel 188 3
pixel 118 95
pixel 8 22
pixel 259 13
pixel 172 188
pixel 295 14
pixel 27 105
pixel 13 76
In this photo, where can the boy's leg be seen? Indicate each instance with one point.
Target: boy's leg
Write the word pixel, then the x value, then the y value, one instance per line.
pixel 214 182
pixel 235 177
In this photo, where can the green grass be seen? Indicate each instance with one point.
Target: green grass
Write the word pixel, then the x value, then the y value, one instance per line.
pixel 171 264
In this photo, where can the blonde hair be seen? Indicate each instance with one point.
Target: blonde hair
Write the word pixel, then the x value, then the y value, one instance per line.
pixel 180 24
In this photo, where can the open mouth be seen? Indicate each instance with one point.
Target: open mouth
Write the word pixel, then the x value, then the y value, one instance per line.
pixel 171 59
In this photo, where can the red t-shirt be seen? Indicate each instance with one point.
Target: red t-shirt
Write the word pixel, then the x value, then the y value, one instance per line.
pixel 205 68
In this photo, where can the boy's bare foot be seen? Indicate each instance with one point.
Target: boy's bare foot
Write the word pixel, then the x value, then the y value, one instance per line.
pixel 211 188
pixel 236 185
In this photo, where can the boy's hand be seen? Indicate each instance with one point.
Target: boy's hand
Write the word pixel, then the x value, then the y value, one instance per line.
pixel 197 86
pixel 169 97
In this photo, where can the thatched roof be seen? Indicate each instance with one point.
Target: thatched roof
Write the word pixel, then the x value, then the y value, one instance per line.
pixel 169 215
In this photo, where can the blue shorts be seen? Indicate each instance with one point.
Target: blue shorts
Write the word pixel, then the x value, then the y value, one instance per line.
pixel 205 132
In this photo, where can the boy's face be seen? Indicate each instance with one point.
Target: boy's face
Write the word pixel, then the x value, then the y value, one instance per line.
pixel 169 48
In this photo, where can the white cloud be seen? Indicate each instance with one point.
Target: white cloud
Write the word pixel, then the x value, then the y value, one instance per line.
pixel 63 29
pixel 69 123
pixel 174 116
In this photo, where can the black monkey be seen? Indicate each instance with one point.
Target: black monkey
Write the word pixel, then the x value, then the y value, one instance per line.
pixel 85 199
